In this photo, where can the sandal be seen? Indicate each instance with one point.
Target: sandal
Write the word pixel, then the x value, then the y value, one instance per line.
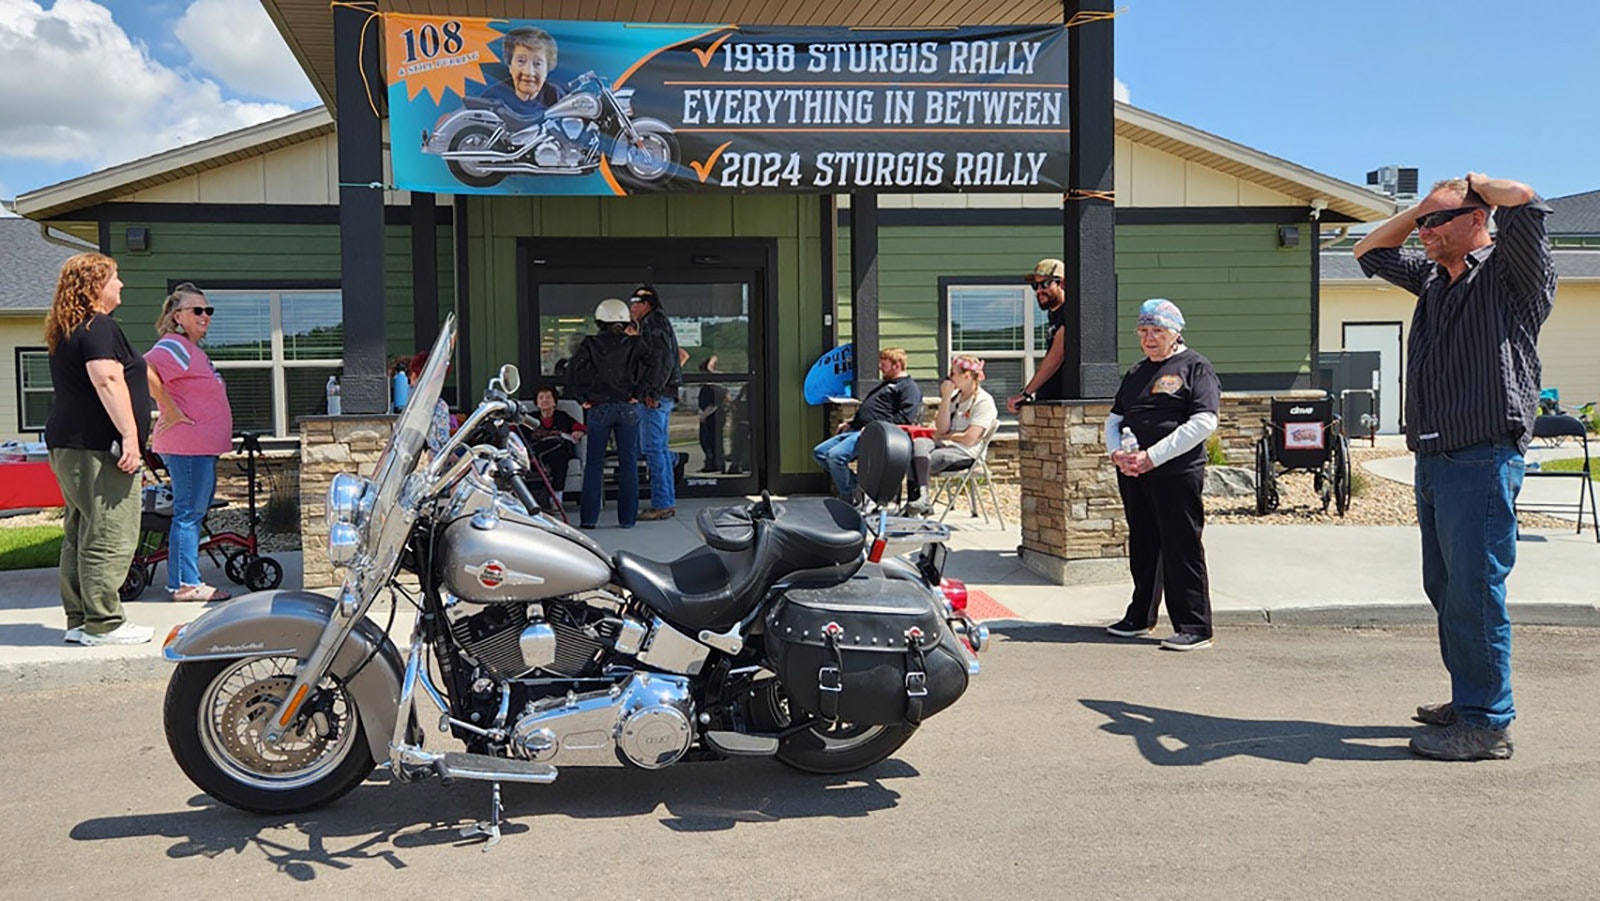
pixel 202 593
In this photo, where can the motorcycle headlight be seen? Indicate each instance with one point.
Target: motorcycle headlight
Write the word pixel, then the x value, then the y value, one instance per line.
pixel 344 540
pixel 349 500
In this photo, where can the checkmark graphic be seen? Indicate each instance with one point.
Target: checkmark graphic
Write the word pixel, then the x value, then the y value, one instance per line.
pixel 706 54
pixel 704 169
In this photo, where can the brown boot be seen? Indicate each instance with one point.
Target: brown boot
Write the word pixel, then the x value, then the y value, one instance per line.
pixel 654 513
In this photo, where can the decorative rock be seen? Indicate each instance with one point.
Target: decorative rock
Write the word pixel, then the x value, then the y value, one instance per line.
pixel 1230 481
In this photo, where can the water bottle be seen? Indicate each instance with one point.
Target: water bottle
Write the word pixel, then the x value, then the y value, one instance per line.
pixel 1130 442
pixel 334 407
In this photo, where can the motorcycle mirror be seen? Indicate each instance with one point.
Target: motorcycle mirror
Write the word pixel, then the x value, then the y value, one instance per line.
pixel 510 378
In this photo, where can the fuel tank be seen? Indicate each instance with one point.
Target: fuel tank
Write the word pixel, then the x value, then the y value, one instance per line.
pixel 490 560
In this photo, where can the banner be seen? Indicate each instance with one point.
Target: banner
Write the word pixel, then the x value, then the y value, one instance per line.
pixel 555 107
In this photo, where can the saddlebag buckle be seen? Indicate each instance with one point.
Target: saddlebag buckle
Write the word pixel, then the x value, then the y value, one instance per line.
pixel 828 679
pixel 917 684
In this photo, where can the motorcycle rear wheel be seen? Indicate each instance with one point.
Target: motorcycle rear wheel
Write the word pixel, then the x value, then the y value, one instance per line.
pixel 825 749
pixel 473 137
pixel 215 712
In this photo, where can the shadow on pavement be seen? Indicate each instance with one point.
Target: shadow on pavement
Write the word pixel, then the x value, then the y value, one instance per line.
pixel 1014 630
pixel 1178 738
pixel 380 821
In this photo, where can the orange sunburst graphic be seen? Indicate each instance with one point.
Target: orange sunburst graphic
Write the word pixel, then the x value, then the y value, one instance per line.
pixel 437 53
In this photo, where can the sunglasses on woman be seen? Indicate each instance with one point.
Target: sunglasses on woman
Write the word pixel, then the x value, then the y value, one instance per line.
pixel 208 311
pixel 1440 217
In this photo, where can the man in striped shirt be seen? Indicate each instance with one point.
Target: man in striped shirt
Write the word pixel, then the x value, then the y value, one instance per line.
pixel 1472 386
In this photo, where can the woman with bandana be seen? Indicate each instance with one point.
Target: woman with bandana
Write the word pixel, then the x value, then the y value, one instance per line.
pixel 966 412
pixel 1164 410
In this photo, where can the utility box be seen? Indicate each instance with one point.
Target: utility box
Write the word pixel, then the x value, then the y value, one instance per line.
pixel 1351 376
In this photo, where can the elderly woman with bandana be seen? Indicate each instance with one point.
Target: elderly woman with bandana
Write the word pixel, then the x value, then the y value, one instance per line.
pixel 966 411
pixel 1168 404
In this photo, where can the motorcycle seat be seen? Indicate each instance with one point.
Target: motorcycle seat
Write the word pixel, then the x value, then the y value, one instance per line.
pixel 513 122
pixel 814 543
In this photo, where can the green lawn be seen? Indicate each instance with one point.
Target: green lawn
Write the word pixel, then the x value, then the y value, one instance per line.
pixel 30 547
pixel 1569 464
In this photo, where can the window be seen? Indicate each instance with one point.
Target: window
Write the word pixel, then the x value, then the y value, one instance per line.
pixel 276 350
pixel 35 394
pixel 1001 324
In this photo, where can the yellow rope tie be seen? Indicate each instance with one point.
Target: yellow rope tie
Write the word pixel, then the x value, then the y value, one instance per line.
pixel 371 9
pixel 1077 194
pixel 1088 17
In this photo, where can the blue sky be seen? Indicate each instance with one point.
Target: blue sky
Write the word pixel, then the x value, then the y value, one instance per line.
pixel 1340 87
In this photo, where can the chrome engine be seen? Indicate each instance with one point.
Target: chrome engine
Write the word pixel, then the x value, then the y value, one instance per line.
pixel 646 720
pixel 566 637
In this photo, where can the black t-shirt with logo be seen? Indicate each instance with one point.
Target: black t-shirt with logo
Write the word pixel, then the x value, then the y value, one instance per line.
pixel 79 419
pixel 1155 398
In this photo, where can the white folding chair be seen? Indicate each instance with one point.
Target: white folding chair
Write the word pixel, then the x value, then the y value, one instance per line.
pixel 953 483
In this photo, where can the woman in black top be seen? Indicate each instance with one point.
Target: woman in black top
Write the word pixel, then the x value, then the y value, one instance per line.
pixel 553 439
pixel 96 433
pixel 1165 409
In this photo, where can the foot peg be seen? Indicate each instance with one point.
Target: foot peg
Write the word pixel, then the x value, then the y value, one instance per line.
pixel 458 765
pixel 739 744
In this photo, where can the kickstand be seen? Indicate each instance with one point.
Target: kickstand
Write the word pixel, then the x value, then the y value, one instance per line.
pixel 490 829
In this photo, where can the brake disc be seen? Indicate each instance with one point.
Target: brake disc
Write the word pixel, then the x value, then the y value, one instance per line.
pixel 244 720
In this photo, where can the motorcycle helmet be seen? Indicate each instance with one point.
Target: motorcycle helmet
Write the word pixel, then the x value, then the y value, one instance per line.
pixel 612 311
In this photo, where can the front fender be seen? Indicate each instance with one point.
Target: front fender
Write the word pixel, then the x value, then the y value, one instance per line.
pixel 288 624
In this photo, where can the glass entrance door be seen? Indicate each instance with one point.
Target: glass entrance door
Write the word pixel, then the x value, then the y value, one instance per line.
pixel 715 315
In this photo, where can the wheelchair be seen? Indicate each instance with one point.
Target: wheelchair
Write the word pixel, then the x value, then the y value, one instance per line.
pixel 1303 436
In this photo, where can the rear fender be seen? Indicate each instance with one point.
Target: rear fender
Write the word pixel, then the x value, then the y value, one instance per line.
pixel 288 624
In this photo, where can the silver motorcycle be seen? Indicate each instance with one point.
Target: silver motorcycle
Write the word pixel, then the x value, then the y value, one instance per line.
pixel 484 142
pixel 793 633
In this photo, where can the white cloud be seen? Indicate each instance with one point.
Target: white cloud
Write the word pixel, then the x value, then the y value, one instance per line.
pixel 1119 90
pixel 76 88
pixel 235 41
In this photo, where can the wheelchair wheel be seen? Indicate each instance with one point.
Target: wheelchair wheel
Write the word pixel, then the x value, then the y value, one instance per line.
pixel 1341 474
pixel 263 574
pixel 1266 488
pixel 134 585
pixel 234 566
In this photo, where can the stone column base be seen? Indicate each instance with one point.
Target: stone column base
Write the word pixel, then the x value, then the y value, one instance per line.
pixel 1083 571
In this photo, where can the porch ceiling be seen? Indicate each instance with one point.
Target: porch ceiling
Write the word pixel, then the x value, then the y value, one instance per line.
pixel 307 25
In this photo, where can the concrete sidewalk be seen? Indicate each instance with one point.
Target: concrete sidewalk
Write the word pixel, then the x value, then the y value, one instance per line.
pixel 1346 575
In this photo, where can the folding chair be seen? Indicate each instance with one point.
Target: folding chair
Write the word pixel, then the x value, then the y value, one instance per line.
pixel 1561 427
pixel 963 479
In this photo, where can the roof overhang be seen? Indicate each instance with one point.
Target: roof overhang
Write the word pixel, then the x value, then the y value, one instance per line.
pixel 1252 165
pixel 213 153
pixel 307 25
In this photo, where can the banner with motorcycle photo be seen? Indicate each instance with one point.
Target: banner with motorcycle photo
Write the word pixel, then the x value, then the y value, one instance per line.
pixel 494 106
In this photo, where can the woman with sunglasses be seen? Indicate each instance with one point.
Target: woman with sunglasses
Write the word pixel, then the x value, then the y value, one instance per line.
pixel 195 427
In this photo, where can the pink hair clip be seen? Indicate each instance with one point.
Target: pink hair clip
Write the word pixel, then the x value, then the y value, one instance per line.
pixel 969 365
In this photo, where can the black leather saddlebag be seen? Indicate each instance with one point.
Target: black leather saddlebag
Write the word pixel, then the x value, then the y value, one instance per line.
pixel 872 651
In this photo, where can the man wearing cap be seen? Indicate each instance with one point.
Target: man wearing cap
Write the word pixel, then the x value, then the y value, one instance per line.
pixel 1472 392
pixel 1049 281
pixel 663 375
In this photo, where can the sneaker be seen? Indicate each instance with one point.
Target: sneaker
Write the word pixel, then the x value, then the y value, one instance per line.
pixel 127 633
pixel 917 508
pixel 1127 628
pixel 1436 714
pixel 1464 741
pixel 1186 641
pixel 655 513
pixel 73 635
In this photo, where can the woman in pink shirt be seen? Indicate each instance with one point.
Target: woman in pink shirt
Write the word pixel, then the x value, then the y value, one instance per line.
pixel 194 428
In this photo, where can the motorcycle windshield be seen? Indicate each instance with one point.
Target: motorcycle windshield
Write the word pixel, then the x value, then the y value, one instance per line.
pixel 386 529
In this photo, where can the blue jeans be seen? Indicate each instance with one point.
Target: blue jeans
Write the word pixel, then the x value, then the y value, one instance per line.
pixel 604 422
pixel 835 455
pixel 1469 544
pixel 657 455
pixel 194 480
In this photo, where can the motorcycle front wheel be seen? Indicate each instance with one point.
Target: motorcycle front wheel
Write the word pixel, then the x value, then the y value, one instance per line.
pixel 826 749
pixel 215 715
pixel 653 159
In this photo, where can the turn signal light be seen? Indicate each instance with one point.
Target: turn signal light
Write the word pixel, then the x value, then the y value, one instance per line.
pixel 955 592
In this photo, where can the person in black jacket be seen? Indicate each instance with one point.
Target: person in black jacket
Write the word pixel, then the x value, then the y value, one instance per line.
pixel 896 399
pixel 605 376
pixel 663 374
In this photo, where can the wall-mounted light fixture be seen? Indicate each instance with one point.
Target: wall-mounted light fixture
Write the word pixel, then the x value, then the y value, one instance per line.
pixel 1288 236
pixel 138 238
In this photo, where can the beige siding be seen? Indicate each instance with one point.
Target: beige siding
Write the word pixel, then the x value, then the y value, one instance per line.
pixel 1147 177
pixel 16 331
pixel 1566 343
pixel 303 173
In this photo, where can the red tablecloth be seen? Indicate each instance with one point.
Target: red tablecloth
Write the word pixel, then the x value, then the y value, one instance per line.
pixel 27 485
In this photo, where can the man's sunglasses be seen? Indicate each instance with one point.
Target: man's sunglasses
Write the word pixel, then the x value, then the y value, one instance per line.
pixel 209 311
pixel 1042 285
pixel 1440 217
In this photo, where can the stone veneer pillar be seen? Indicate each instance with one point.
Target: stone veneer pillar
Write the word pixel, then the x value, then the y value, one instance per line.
pixel 1073 530
pixel 331 445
